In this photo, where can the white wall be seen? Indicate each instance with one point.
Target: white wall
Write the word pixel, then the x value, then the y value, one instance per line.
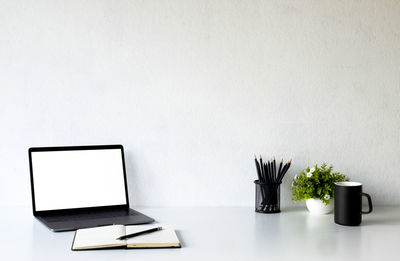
pixel 194 88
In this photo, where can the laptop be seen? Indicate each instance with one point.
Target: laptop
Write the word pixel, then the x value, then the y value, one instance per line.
pixel 80 187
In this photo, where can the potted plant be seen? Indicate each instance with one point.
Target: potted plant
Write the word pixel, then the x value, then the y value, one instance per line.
pixel 316 185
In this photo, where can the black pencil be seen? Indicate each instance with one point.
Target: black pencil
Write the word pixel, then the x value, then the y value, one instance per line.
pixel 282 172
pixel 260 178
pixel 290 163
pixel 262 169
pixel 266 173
pixel 285 169
pixel 280 169
pixel 271 167
pixel 258 169
pixel 274 169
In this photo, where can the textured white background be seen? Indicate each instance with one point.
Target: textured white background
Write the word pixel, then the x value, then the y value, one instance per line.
pixel 193 89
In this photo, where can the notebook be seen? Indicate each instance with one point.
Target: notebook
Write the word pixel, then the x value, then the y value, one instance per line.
pixel 106 237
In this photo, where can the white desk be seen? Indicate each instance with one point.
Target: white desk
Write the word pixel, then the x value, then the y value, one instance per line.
pixel 221 234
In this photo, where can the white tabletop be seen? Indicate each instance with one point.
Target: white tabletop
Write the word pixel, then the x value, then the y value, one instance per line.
pixel 221 234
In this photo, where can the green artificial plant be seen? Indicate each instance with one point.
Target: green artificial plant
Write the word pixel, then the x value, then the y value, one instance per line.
pixel 316 182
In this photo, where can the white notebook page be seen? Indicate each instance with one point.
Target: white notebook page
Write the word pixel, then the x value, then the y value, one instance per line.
pixel 99 237
pixel 164 236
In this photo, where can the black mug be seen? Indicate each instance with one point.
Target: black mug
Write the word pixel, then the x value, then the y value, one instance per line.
pixel 348 203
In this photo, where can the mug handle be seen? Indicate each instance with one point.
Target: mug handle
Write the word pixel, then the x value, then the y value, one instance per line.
pixel 369 203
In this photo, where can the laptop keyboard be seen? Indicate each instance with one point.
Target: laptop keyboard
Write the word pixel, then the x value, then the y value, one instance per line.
pixel 91 215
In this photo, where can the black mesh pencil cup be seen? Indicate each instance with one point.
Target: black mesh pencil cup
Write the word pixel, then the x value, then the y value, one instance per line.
pixel 267 197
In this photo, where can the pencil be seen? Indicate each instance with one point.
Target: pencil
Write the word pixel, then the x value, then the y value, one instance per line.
pixel 258 168
pixel 260 178
pixel 280 168
pixel 285 169
pixel 262 169
pixel 271 168
pixel 274 169
pixel 289 164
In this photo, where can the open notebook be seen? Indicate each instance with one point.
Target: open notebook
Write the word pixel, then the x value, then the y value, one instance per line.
pixel 106 237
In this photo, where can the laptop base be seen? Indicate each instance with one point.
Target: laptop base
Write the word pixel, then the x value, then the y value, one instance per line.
pixel 67 222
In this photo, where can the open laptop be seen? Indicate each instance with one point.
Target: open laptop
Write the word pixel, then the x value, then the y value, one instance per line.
pixel 80 187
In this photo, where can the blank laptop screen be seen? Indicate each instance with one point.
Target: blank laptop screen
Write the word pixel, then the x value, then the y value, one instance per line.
pixel 78 179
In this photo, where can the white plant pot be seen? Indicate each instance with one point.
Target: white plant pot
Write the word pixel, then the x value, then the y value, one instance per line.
pixel 317 207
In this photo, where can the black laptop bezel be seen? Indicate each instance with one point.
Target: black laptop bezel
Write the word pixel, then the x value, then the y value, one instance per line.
pixel 76 210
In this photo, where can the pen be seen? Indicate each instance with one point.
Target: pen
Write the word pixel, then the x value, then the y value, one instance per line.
pixel 140 233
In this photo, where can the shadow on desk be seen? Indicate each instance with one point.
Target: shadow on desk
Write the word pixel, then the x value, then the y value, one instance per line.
pixel 372 221
pixel 294 209
pixel 382 215
pixel 179 235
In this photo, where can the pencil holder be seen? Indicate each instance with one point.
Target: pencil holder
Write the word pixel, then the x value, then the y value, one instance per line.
pixel 267 197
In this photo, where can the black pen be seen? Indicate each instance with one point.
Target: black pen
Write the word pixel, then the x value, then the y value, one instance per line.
pixel 140 233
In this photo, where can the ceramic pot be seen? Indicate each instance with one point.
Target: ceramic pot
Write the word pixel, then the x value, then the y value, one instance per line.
pixel 318 207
